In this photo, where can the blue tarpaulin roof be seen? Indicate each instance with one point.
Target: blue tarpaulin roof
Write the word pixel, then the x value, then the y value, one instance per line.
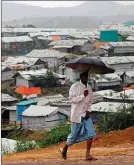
pixel 27 102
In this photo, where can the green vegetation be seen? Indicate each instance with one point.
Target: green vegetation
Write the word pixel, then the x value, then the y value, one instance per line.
pixel 25 145
pixel 25 141
pixel 55 90
pixel 10 90
pixel 120 120
pixel 23 135
pixel 57 134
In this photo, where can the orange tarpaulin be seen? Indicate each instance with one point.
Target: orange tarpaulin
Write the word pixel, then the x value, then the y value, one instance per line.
pixel 23 90
pixel 56 38
pixel 34 90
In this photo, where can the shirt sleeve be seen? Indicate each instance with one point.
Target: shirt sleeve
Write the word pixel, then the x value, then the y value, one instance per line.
pixel 73 95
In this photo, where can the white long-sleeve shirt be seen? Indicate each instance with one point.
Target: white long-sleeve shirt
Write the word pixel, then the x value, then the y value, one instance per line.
pixel 80 103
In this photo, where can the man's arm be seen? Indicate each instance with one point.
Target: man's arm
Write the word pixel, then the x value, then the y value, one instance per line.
pixel 73 95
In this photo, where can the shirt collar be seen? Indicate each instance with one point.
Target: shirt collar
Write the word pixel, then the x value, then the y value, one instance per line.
pixel 83 84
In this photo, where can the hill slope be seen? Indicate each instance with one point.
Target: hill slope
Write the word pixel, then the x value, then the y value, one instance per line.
pixel 120 149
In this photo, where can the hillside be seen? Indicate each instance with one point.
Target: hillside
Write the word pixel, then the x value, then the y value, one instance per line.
pixel 89 14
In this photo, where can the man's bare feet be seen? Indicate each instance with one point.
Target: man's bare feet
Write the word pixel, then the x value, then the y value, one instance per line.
pixel 64 155
pixel 91 158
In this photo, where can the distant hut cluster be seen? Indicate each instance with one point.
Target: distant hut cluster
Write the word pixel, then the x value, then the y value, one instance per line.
pixel 31 56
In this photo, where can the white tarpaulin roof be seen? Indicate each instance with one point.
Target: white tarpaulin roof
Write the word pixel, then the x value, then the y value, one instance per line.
pixel 118 60
pixel 16 39
pixel 49 99
pixel 129 94
pixel 27 74
pixel 108 106
pixel 45 53
pixel 19 60
pixel 36 110
pixel 121 44
pixel 112 77
pixel 68 42
pixel 6 97
pixel 130 38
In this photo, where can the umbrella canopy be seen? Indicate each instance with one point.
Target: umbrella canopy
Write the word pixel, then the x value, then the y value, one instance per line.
pixel 94 65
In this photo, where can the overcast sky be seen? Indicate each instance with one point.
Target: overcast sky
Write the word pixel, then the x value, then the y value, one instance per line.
pixel 62 3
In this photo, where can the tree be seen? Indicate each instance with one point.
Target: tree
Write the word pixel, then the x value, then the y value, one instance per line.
pixel 47 80
pixel 29 26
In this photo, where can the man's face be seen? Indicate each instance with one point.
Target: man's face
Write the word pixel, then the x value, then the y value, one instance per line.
pixel 84 79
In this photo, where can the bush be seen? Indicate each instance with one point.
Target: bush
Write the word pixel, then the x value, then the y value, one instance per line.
pixel 25 145
pixel 47 80
pixel 56 135
pixel 10 91
pixel 116 121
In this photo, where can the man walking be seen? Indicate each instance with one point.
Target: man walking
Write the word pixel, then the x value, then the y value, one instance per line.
pixel 81 122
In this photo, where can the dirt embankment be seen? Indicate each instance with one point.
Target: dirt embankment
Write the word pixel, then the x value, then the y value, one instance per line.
pixel 116 147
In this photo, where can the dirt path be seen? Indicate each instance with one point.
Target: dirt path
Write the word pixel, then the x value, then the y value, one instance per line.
pixel 106 155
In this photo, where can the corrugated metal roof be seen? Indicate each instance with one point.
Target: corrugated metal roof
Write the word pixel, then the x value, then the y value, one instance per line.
pixel 130 38
pixel 16 39
pixel 109 78
pixel 117 95
pixel 42 53
pixel 42 38
pixel 19 60
pixel 10 108
pixel 97 52
pixel 130 73
pixel 68 42
pixel 44 34
pixel 118 60
pixel 34 34
pixel 105 92
pixel 62 46
pixel 5 68
pixel 26 30
pixel 48 99
pixel 8 98
pixel 108 107
pixel 35 110
pixel 121 44
pixel 27 74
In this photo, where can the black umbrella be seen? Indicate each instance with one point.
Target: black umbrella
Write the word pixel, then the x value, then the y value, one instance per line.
pixel 95 65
